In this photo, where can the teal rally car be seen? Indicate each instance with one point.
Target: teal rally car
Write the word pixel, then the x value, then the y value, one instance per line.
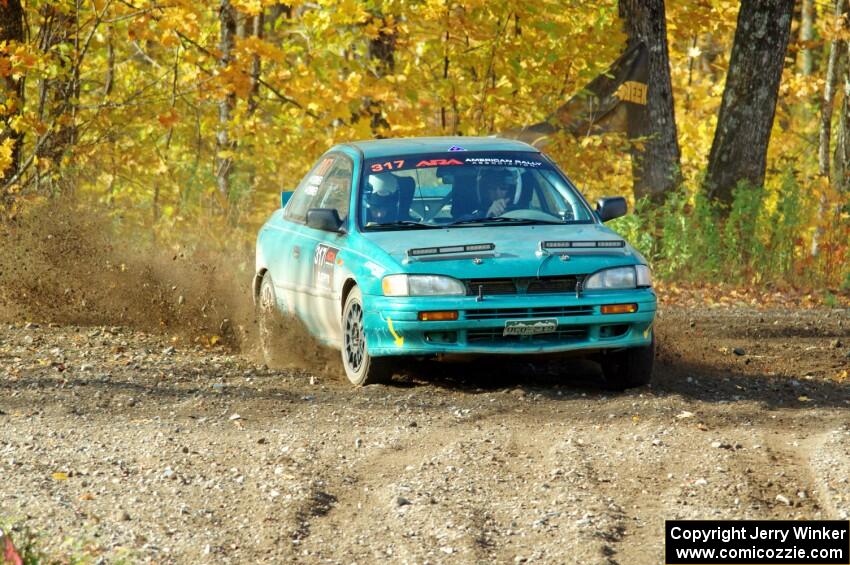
pixel 453 245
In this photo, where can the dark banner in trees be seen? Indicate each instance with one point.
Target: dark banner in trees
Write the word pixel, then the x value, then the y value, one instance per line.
pixel 615 101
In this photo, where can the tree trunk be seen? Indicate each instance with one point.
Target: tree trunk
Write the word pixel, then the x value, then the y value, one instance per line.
pixel 382 57
pixel 807 34
pixel 57 96
pixel 11 29
pixel 739 151
pixel 224 146
pixel 655 169
pixel 256 31
pixel 836 47
pixel 841 168
pixel 110 64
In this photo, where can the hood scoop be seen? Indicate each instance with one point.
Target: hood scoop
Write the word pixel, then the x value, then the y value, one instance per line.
pixel 564 247
pixel 451 252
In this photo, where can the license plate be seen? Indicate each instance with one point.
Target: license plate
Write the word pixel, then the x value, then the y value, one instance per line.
pixel 530 327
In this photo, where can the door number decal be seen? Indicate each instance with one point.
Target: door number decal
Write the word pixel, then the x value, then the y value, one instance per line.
pixel 323 266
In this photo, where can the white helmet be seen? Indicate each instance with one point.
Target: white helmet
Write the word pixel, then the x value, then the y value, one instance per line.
pixel 383 184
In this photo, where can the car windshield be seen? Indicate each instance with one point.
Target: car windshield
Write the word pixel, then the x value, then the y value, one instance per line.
pixel 466 189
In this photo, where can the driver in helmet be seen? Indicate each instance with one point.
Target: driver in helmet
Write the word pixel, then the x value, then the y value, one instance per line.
pixel 497 188
pixel 382 202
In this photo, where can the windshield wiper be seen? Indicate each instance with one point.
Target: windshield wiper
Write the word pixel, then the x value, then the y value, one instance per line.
pixel 557 222
pixel 401 224
pixel 493 220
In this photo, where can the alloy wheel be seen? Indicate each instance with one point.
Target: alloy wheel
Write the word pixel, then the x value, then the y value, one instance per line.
pixel 354 342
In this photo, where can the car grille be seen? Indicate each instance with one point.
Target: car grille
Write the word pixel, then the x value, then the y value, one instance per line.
pixel 542 285
pixel 494 335
pixel 490 287
pixel 513 313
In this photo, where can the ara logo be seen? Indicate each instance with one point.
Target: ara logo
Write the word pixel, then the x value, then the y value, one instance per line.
pixel 456 148
pixel 438 162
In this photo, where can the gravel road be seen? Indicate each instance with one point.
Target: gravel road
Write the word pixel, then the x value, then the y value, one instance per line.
pixel 131 446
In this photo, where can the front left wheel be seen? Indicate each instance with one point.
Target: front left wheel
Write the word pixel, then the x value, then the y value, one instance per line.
pixel 628 368
pixel 360 367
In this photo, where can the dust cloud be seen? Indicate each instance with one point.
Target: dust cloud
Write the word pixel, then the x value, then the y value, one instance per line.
pixel 61 265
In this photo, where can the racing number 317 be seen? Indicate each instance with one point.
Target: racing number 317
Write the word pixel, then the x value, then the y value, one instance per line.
pixel 388 166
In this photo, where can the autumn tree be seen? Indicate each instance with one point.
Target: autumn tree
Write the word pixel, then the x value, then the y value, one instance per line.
pixel 745 121
pixel 655 162
pixel 11 31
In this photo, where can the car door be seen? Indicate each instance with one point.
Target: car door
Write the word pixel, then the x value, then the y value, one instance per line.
pixel 320 250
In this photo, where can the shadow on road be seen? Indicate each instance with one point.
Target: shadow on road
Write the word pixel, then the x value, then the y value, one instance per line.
pixel 690 380
pixel 556 378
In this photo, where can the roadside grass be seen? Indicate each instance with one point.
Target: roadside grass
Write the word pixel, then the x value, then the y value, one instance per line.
pixel 30 547
pixel 764 239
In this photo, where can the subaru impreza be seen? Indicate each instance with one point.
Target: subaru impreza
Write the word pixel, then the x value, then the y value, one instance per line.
pixel 453 245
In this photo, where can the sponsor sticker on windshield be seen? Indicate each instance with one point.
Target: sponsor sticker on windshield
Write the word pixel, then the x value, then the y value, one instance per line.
pixel 452 158
pixel 503 162
pixel 437 162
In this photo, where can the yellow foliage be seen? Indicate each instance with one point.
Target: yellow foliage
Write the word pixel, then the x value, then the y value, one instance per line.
pixel 6 148
pixel 471 67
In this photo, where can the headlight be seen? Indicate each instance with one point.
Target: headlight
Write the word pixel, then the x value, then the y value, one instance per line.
pixel 644 276
pixel 619 278
pixel 422 285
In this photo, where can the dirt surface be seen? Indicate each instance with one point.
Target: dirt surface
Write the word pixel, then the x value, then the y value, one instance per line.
pixel 130 446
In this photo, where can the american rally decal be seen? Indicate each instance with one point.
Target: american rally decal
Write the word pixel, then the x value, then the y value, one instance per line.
pixel 323 266
pixel 526 160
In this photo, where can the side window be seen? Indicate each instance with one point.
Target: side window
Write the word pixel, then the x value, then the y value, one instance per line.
pixel 301 201
pixel 335 188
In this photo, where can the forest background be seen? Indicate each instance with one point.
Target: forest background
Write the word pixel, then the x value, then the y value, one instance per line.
pixel 181 121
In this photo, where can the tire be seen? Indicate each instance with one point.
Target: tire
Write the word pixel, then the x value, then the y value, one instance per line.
pixel 360 367
pixel 270 322
pixel 628 368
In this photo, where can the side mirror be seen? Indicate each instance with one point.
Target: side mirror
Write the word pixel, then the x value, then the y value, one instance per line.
pixel 325 219
pixel 611 207
pixel 284 197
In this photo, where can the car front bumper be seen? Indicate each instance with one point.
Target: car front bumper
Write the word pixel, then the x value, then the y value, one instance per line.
pixel 393 326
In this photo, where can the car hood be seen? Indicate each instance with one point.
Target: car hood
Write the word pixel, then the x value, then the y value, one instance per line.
pixel 515 254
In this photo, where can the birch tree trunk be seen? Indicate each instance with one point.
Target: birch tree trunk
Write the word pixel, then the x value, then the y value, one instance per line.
pixel 836 48
pixel 656 168
pixel 739 150
pixel 807 34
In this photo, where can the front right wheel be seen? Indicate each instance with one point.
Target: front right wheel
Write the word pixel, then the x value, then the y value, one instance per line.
pixel 360 367
pixel 628 368
pixel 270 322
